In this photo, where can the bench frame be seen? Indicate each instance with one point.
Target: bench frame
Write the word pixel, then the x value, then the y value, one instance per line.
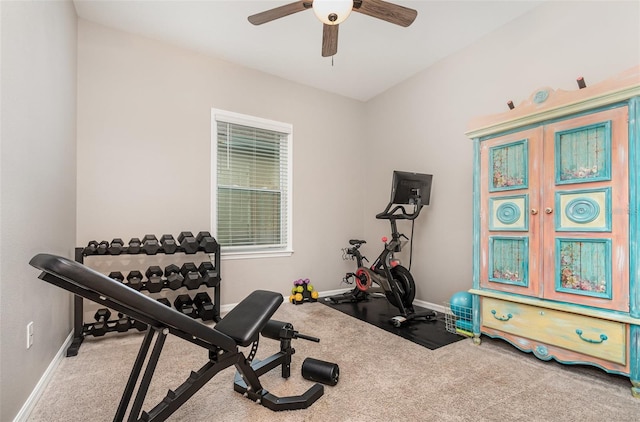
pixel 222 343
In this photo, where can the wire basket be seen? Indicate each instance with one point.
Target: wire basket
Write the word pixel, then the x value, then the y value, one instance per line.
pixel 458 320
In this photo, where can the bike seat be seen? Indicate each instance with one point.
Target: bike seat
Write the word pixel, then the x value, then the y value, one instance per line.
pixel 354 242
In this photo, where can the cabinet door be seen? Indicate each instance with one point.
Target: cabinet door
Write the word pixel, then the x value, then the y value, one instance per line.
pixel 509 233
pixel 586 210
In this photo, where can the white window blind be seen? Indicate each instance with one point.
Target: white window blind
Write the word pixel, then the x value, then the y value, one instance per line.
pixel 252 162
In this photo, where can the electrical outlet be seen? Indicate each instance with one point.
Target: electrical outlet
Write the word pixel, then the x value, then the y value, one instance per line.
pixel 29 334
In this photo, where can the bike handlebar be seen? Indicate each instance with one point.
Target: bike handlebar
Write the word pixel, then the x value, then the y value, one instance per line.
pixel 393 214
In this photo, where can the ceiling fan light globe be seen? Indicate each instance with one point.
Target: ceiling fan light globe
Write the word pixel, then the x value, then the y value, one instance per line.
pixel 332 12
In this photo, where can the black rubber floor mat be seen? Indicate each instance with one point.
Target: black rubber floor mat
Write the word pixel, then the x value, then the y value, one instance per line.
pixel 378 311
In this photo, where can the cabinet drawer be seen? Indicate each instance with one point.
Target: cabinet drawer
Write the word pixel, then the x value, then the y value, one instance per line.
pixel 590 336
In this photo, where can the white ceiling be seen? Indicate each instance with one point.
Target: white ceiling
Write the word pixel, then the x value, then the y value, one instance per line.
pixel 373 55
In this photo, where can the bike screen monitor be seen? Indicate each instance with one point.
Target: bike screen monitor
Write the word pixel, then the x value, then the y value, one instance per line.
pixel 408 187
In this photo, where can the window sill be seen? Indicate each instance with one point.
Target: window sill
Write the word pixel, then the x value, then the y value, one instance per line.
pixel 255 254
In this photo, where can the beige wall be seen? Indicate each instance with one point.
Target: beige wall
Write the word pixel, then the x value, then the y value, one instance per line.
pixel 37 174
pixel 144 134
pixel 425 117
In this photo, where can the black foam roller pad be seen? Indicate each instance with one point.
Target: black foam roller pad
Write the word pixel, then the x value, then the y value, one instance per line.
pixel 320 371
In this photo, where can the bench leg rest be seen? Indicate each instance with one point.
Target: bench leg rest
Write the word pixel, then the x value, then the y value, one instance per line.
pixel 247 383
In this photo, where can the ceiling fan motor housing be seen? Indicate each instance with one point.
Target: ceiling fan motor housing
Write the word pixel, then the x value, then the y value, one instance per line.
pixel 332 12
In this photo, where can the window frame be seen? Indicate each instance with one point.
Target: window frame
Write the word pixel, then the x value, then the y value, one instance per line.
pixel 254 251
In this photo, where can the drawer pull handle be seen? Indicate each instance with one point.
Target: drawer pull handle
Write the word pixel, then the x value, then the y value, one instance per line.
pixel 603 337
pixel 507 318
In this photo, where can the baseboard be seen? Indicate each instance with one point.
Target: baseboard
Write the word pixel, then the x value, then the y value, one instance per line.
pixel 334 292
pixel 429 305
pixel 228 307
pixel 28 405
pixel 421 303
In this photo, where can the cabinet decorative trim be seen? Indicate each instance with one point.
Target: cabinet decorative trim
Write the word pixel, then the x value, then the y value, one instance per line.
pixel 558 104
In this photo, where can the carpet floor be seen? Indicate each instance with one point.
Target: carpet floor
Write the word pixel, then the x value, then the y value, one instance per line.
pixel 383 377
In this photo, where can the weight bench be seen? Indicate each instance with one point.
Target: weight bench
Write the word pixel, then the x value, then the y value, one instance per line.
pixel 241 327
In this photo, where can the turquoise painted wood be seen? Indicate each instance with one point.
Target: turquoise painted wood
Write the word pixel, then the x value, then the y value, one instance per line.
pixel 509 260
pixel 583 154
pixel 508 164
pixel 584 267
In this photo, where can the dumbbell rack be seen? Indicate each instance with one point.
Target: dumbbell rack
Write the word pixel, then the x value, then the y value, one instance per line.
pixel 82 329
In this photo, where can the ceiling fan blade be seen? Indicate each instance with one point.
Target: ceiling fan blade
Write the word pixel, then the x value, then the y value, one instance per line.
pixel 279 12
pixel 386 11
pixel 329 40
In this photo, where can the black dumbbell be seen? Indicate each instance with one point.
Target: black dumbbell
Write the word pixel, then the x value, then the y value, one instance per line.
pixel 155 283
pixel 134 279
pixel 209 274
pixel 123 324
pixel 188 242
pixel 150 244
pixel 206 242
pixel 138 325
pixel 192 278
pixel 174 278
pixel 100 327
pixel 116 247
pixel 204 306
pixel 168 244
pixel 103 247
pixel 116 275
pixel 134 245
pixel 164 301
pixel 184 304
pixel 91 248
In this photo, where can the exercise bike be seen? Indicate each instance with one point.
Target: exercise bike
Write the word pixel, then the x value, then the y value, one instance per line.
pixel 392 279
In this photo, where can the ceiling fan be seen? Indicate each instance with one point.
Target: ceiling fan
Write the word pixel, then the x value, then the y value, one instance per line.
pixel 333 12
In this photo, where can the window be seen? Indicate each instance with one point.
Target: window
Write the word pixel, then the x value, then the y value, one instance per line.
pixel 251 184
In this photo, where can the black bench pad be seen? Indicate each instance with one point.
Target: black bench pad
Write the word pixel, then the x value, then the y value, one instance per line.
pixel 244 322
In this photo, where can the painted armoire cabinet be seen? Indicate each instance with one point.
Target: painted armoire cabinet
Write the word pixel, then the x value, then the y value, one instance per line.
pixel 556 221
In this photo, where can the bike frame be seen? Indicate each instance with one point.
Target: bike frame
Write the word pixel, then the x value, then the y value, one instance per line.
pixel 384 262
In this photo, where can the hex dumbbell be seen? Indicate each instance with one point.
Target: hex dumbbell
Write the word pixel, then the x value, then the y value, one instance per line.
pixel 184 304
pixel 155 283
pixel 164 301
pixel 123 323
pixel 150 244
pixel 204 306
pixel 174 277
pixel 100 327
pixel 134 279
pixel 103 247
pixel 138 325
pixel 192 278
pixel 116 275
pixel 91 248
pixel 134 245
pixel 206 242
pixel 116 247
pixel 209 274
pixel 188 242
pixel 168 243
